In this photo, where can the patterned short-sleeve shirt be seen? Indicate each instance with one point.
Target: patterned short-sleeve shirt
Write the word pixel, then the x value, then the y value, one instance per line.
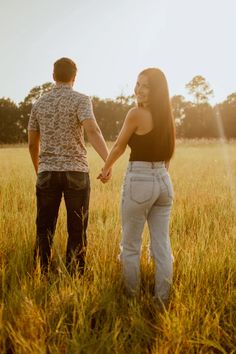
pixel 58 116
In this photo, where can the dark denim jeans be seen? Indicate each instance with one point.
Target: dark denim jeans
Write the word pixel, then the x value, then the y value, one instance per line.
pixel 49 189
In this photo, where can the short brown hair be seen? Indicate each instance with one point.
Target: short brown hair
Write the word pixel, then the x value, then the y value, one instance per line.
pixel 64 70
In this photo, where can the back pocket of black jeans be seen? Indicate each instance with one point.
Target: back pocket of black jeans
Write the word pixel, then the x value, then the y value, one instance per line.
pixel 76 180
pixel 141 188
pixel 43 179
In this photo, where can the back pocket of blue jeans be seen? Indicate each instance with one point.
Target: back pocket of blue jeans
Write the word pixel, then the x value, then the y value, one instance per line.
pixel 141 188
pixel 76 180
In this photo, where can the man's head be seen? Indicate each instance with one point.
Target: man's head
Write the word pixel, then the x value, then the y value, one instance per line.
pixel 64 70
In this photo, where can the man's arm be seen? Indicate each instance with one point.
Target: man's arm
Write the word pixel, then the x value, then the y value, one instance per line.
pixel 33 143
pixel 95 137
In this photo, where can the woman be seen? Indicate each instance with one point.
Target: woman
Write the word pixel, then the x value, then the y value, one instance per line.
pixel 147 191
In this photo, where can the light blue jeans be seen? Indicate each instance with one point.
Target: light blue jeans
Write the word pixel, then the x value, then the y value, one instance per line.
pixel 147 195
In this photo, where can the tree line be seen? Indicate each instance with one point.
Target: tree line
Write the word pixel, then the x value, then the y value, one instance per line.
pixel 194 119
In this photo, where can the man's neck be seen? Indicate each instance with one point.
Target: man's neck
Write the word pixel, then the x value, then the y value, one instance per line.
pixel 68 84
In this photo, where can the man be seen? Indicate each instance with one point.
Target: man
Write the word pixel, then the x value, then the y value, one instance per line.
pixel 55 129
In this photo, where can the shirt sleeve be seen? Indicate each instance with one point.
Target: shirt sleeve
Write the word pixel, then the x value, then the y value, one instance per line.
pixel 33 121
pixel 85 109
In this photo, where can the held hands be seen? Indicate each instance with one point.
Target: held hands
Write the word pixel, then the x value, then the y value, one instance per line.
pixel 105 175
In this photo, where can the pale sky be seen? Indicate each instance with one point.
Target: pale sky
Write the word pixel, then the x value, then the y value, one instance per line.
pixel 113 40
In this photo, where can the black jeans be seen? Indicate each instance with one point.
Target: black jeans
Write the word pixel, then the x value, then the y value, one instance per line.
pixel 49 189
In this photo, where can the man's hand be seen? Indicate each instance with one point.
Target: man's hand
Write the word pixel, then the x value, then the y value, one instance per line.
pixel 105 175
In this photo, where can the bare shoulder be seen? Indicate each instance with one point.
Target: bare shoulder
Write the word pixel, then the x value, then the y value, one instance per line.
pixel 137 112
pixel 131 118
pixel 143 119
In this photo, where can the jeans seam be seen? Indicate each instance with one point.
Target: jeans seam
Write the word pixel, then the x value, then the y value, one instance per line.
pixel 168 187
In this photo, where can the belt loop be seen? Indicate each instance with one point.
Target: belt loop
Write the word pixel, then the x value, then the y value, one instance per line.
pixel 152 165
pixel 131 165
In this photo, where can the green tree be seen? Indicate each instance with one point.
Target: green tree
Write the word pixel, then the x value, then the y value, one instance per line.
pixel 199 89
pixel 36 92
pixel 179 106
pixel 199 122
pixel 10 131
pixel 110 114
pixel 227 115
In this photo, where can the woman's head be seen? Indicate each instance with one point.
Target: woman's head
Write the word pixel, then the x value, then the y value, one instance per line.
pixel 142 90
pixel 152 92
pixel 151 87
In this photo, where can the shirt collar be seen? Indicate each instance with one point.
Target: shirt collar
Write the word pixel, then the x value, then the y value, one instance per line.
pixel 65 86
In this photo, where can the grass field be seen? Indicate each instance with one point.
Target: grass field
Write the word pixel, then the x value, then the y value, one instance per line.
pixel 61 314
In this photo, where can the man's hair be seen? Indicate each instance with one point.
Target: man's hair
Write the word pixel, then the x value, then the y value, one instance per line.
pixel 64 70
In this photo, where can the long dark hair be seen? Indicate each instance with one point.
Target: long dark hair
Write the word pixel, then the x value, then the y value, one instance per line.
pixel 160 107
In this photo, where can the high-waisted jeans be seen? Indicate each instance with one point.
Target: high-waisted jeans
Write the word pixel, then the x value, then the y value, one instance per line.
pixel 147 195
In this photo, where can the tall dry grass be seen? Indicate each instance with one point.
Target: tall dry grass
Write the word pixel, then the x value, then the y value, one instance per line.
pixel 60 314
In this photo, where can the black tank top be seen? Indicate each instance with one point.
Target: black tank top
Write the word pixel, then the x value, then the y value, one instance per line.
pixel 143 147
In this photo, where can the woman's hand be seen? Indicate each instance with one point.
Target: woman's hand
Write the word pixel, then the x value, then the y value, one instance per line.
pixel 105 175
